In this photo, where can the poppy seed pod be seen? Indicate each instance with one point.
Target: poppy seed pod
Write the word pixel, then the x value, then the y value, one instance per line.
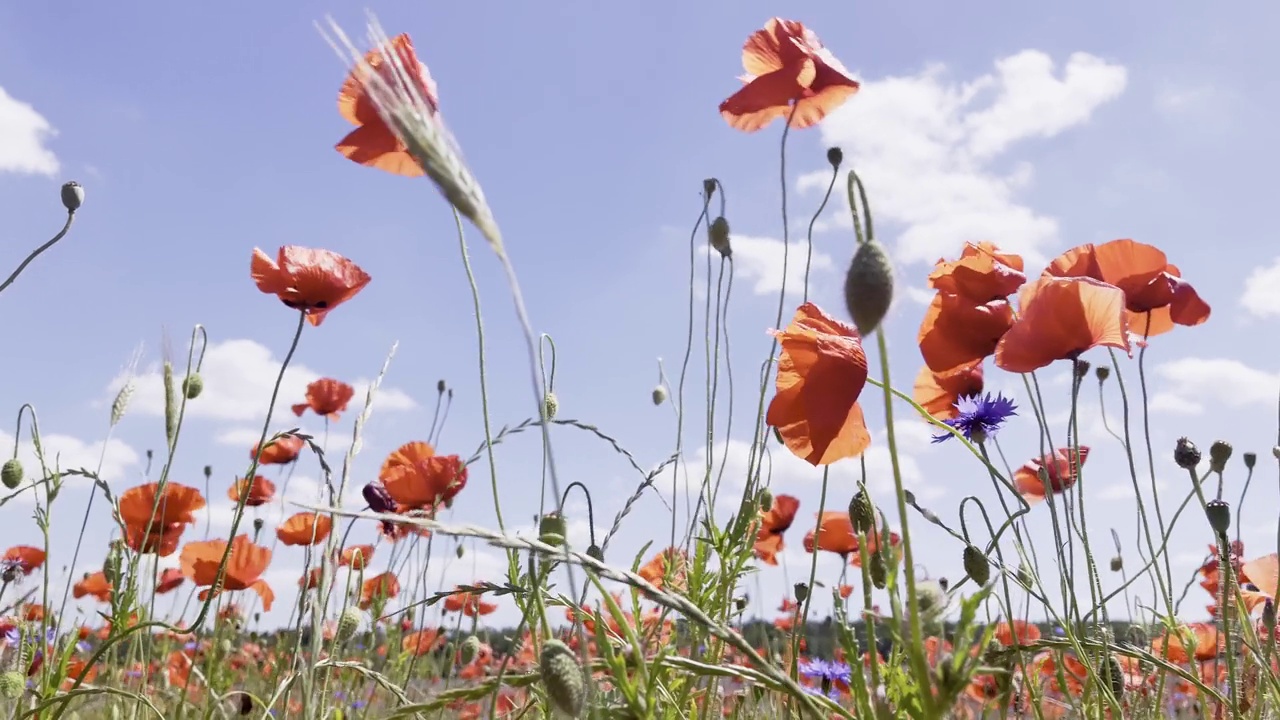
pixel 595 553
pixel 12 685
pixel 1117 564
pixel 878 571
pixel 862 513
pixel 72 196
pixel 766 500
pixel 470 648
pixel 740 603
pixel 440 386
pixel 1186 454
pixel 257 525
pixel 1024 576
pixel 1219 514
pixel 835 156
pixel 976 565
pixel 208 469
pixel 659 395
pixel 1110 673
pixel 1250 459
pixel 192 386
pixel 868 287
pixel 551 529
pixel 11 473
pixel 550 405
pixel 562 678
pixel 709 187
pixel 1102 372
pixel 1219 454
pixel 379 500
pixel 1081 368
pixel 718 236
pixel 801 591
pixel 348 624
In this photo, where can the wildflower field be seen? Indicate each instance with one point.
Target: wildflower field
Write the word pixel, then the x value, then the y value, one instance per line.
pixel 425 574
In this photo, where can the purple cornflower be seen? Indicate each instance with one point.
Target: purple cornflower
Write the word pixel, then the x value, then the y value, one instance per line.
pixel 827 673
pixel 980 417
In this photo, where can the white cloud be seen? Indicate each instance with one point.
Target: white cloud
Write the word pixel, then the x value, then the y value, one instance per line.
pixel 1189 383
pixel 238 378
pixel 63 452
pixel 1261 295
pixel 758 260
pixel 927 146
pixel 23 132
pixel 1179 97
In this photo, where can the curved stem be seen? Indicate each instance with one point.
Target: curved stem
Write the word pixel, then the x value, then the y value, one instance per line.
pixel 36 253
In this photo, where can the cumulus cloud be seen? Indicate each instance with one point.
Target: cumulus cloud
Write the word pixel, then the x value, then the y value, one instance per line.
pixel 1188 384
pixel 238 378
pixel 23 133
pixel 1261 297
pixel 112 459
pixel 758 260
pixel 928 146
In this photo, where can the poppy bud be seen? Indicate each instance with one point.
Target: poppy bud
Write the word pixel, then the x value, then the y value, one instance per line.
pixel 208 469
pixel 868 287
pixel 976 565
pixel 72 196
pixel 1186 454
pixel 348 624
pixel 709 187
pixel 740 603
pixel 1102 372
pixel 562 677
pixel 862 513
pixel 1117 564
pixel 766 500
pixel 1109 672
pixel 257 525
pixel 440 386
pixel 595 553
pixel 659 395
pixel 1024 576
pixel 801 592
pixel 879 573
pixel 1250 459
pixel 375 493
pixel 551 529
pixel 909 496
pixel 192 386
pixel 1219 514
pixel 1081 368
pixel 470 648
pixel 1219 454
pixel 718 236
pixel 459 552
pixel 11 473
pixel 835 156
pixel 12 685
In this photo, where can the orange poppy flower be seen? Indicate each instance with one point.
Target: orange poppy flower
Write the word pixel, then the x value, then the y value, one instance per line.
pixel 154 519
pixel 789 74
pixel 313 281
pixel 1264 574
pixel 373 143
pixel 170 579
pixel 305 528
pixel 78 669
pixel 416 477
pixel 327 398
pixel 845 591
pixel 468 603
pixel 23 558
pixel 259 491
pixel 384 586
pixel 773 523
pixel 1154 290
pixel 1063 470
pixel 280 451
pixel 939 394
pixel 93 584
pixel 421 642
pixel 666 569
pixel 32 612
pixel 200 561
pixel 1061 319
pixel 957 333
pixel 835 534
pixel 821 373
pixel 311 580
pixel 982 273
pixel 1016 632
pixel 356 557
pixel 1199 641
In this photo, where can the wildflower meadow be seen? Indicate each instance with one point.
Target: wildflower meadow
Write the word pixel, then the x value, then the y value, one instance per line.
pixel 866 472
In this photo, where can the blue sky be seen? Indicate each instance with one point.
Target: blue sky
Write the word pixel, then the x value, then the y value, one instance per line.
pixel 200 134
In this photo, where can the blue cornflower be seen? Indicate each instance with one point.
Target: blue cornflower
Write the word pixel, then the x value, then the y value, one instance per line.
pixel 980 417
pixel 12 636
pixel 827 673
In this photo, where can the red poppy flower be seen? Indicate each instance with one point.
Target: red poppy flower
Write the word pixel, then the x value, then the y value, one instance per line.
pixel 773 523
pixel 306 279
pixel 1061 319
pixel 416 477
pixel 257 492
pixel 1016 632
pixel 327 398
pixel 200 561
pixel 153 519
pixel 378 587
pixel 789 74
pixel 957 332
pixel 1063 470
pixel 666 569
pixel 938 394
pixel 170 580
pixel 25 558
pixel 373 143
pixel 93 584
pixel 280 451
pixel 1156 296
pixel 356 557
pixel 821 373
pixel 468 603
pixel 982 273
pixel 305 528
